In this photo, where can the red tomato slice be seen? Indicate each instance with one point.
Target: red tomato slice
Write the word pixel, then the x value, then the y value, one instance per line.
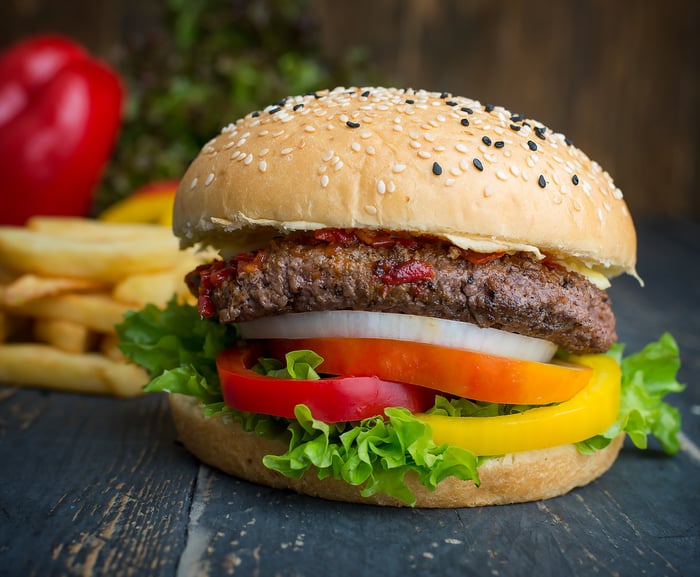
pixel 466 374
pixel 332 400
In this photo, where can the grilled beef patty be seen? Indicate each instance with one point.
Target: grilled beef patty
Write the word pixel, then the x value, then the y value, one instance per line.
pixel 357 270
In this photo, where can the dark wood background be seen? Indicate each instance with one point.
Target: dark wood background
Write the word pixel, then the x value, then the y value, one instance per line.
pixel 619 78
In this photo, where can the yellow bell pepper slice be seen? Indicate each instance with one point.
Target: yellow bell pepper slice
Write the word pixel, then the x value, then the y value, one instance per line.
pixel 588 413
pixel 150 204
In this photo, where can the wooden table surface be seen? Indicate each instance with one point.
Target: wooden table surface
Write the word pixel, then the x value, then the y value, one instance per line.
pixel 101 486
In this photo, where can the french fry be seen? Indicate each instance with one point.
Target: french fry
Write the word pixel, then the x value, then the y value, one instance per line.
pixel 44 366
pixel 99 312
pixel 64 285
pixel 95 230
pixel 109 347
pixel 65 335
pixel 44 254
pixel 28 287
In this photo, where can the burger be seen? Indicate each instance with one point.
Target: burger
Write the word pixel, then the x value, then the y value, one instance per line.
pixel 408 305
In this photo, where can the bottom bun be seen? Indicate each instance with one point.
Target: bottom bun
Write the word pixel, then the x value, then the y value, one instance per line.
pixel 516 478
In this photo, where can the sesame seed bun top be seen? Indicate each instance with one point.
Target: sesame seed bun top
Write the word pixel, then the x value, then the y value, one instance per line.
pixel 410 160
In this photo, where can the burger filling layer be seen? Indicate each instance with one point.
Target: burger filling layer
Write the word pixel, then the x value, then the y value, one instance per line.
pixel 334 269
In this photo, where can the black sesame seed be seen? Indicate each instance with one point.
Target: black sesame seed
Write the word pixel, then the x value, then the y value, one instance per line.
pixel 352 124
pixel 541 181
pixel 477 164
pixel 274 109
pixel 486 140
pixel 467 110
pixel 574 179
pixel 255 114
pixel 516 118
pixel 531 145
pixel 539 131
pixel 281 102
pixel 515 127
pixel 568 141
pixel 437 169
pixel 451 103
pixel 489 107
pixel 499 144
pixel 410 101
pixel 298 106
pixel 365 94
pixel 464 122
pixel 444 95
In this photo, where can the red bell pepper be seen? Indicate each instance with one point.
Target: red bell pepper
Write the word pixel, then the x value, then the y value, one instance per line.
pixel 60 111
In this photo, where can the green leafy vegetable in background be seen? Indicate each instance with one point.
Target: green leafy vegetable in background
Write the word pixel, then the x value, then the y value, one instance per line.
pixel 204 64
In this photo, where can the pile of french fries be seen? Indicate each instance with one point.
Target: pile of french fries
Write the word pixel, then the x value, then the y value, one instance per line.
pixel 64 285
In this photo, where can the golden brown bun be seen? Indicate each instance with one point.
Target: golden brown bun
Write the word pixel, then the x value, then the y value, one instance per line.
pixel 404 160
pixel 516 478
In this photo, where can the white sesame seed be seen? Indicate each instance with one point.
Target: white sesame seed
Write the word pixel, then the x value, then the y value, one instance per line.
pixel 502 175
pixel 459 147
pixel 263 133
pixel 454 171
pixel 371 209
pixel 328 155
pixel 229 145
pixel 391 187
pixel 286 151
pixel 398 168
pixel 488 191
pixel 262 166
pixel 370 150
pixel 424 154
pixel 309 128
pixel 556 199
pixel 398 128
pixel 429 137
pixel 530 162
pixel 278 133
pixel 464 164
pixel 439 148
pixel 556 179
pixel 381 186
pixel 248 159
pixel 514 170
pixel 338 165
pixel 414 144
pixel 209 179
pixel 607 206
pixel 263 152
pixel 449 181
pixel 193 183
pixel 577 205
pixel 324 181
pixel 617 194
pixel 356 146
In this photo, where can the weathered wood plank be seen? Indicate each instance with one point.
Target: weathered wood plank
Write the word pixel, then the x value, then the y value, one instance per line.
pixel 90 486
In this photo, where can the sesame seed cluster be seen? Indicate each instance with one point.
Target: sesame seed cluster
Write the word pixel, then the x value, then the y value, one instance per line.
pixel 382 145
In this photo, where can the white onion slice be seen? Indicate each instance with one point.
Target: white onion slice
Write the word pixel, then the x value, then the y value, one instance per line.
pixel 373 325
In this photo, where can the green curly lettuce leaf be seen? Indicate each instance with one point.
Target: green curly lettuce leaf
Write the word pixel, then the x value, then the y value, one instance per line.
pixel 647 376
